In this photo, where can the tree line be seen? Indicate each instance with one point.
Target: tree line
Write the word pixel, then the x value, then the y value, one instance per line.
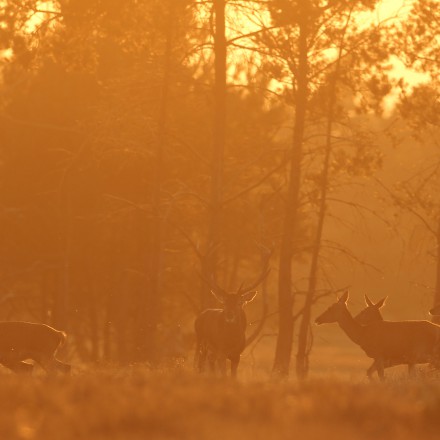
pixel 148 147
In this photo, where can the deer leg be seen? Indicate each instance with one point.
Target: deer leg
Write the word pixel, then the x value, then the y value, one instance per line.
pixel 371 370
pixel 23 368
pixel 380 368
pixel 62 367
pixel 53 366
pixel 200 358
pixel 234 365
pixel 222 365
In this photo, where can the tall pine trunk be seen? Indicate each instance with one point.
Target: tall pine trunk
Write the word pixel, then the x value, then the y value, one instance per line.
pixel 153 313
pixel 209 263
pixel 283 349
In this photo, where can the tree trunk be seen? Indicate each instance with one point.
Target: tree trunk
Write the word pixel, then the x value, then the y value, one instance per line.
pixel 61 306
pixel 285 295
pixel 436 319
pixel 153 306
pixel 94 323
pixel 209 265
pixel 302 357
pixel 106 332
pixel 302 361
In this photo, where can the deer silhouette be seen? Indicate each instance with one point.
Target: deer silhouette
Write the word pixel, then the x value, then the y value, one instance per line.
pixel 221 333
pixel 387 342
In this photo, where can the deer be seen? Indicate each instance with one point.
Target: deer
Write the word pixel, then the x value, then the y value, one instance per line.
pixel 387 342
pixel 370 314
pixel 221 333
pixel 21 340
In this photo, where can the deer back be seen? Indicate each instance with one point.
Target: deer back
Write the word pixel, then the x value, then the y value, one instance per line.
pixel 415 341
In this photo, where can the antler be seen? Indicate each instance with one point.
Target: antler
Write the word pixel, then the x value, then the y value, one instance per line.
pixel 264 273
pixel 260 279
pixel 212 283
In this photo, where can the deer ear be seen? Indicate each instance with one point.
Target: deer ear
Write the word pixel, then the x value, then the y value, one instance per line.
pixel 368 301
pixel 220 297
pixel 344 298
pixel 380 303
pixel 248 296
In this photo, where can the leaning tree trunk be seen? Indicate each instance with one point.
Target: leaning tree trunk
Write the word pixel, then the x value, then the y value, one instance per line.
pixel 302 356
pixel 209 262
pixel 285 295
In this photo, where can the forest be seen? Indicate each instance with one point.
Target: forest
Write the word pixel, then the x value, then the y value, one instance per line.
pixel 150 148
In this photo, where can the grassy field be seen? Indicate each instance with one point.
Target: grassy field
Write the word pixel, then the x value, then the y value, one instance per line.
pixel 137 403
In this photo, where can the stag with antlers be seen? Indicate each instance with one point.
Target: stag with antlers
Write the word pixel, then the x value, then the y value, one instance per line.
pixel 221 333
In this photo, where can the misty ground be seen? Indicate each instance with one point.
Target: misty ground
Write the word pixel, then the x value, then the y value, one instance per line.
pixel 137 402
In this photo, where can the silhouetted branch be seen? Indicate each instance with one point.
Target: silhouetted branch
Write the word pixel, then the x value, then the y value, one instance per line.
pixel 408 208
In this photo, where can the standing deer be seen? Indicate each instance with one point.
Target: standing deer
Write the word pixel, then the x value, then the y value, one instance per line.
pixel 387 342
pixel 221 333
pixel 370 314
pixel 25 340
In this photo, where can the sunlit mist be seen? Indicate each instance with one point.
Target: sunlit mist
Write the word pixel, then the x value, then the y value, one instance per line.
pixel 219 219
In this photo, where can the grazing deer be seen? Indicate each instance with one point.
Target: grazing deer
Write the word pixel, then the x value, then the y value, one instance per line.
pixel 221 333
pixel 387 342
pixel 25 340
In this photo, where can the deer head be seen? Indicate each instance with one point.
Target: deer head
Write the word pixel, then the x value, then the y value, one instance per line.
pixel 334 312
pixel 371 313
pixel 233 303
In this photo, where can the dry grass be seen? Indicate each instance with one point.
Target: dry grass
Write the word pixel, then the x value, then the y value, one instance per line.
pixel 136 403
